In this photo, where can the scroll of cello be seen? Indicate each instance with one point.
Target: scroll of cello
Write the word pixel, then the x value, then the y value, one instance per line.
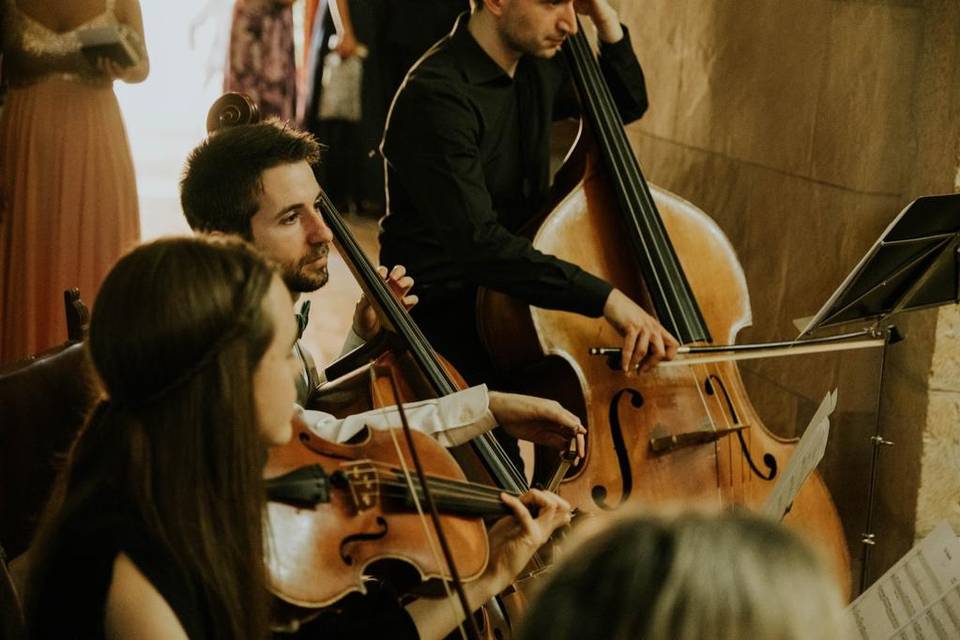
pixel 672 258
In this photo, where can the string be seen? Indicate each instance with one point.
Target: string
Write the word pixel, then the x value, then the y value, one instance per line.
pixel 471 630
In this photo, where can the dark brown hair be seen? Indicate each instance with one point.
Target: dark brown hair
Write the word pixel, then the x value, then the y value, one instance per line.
pixel 222 178
pixel 177 330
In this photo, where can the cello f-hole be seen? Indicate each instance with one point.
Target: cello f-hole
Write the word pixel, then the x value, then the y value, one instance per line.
pixel 599 492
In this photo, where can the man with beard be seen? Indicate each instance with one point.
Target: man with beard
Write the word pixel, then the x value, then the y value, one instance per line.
pixel 467 150
pixel 257 181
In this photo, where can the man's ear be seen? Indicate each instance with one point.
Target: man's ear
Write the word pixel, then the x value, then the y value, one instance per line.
pixel 495 7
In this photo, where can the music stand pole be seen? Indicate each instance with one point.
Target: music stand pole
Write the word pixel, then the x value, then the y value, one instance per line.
pixel 868 538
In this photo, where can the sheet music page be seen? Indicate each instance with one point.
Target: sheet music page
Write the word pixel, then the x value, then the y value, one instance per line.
pixel 805 458
pixel 919 597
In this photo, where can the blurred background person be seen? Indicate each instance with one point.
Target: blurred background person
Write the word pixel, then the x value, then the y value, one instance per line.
pixel 345 32
pixel 261 58
pixel 68 196
pixel 694 575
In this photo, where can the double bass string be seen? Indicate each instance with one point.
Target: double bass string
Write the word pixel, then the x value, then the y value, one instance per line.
pixel 606 119
pixel 639 199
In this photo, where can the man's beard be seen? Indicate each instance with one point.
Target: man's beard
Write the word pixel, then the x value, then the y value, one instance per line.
pixel 299 280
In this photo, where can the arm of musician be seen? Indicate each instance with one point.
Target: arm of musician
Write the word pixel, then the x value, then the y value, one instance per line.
pixel 451 420
pixel 538 420
pixel 366 322
pixel 135 609
pixel 513 541
pixel 645 341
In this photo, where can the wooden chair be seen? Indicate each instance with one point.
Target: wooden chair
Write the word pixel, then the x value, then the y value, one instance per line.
pixel 43 403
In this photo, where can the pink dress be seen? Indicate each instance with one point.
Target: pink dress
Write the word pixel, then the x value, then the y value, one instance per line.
pixel 68 195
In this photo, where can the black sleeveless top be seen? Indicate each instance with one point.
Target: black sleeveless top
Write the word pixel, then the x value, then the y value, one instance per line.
pixel 68 595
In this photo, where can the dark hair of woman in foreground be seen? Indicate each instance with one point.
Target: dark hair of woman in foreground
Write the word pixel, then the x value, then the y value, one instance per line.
pixel 167 471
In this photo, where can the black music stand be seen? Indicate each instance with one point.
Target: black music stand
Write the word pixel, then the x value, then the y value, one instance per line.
pixel 914 265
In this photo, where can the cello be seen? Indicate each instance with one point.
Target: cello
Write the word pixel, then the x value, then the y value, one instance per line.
pixel 675 433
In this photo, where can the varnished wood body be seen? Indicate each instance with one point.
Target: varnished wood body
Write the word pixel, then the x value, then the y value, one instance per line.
pixel 546 352
pixel 311 565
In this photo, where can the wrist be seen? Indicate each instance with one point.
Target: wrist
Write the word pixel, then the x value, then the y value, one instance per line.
pixel 608 25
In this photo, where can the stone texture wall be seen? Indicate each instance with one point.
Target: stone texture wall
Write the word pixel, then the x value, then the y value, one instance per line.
pixel 803 127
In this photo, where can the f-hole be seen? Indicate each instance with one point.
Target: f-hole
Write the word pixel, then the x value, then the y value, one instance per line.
pixel 360 537
pixel 714 382
pixel 599 492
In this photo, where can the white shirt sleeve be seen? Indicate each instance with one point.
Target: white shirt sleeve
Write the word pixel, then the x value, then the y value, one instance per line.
pixel 451 420
pixel 352 341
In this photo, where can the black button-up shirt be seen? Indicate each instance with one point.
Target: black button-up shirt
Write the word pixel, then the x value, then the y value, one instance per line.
pixel 468 156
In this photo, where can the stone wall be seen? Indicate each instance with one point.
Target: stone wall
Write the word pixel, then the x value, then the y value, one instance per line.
pixel 803 127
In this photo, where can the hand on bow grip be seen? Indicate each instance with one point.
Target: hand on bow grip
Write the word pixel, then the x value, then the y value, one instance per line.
pixel 366 323
pixel 538 420
pixel 645 341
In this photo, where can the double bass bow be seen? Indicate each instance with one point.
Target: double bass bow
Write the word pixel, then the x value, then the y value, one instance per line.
pixel 674 433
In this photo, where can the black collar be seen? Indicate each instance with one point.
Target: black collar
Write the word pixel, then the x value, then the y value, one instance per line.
pixel 477 66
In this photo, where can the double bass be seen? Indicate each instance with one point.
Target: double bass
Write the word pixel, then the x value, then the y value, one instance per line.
pixel 675 433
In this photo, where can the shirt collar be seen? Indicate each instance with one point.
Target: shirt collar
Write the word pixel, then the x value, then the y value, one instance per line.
pixel 476 64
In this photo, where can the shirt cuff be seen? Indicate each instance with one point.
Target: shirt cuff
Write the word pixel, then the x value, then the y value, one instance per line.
pixel 351 342
pixel 450 420
pixel 590 293
pixel 621 50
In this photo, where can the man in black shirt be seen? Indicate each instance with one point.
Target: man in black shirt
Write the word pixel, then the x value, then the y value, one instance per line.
pixel 467 157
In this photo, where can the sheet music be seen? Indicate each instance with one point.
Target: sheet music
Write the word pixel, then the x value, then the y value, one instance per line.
pixel 919 597
pixel 806 457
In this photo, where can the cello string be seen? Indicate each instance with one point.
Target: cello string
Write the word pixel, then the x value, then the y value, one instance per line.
pixel 492 452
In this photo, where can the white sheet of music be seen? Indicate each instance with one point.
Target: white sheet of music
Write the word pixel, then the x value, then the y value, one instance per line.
pixel 805 458
pixel 919 597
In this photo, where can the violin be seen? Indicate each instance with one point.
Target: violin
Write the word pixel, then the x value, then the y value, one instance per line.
pixel 676 433
pixel 337 509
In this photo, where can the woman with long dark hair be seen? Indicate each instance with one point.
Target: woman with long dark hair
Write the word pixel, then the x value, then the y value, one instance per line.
pixel 156 526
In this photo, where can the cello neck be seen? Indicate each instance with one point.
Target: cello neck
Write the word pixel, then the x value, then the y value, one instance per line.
pixel 496 461
pixel 673 300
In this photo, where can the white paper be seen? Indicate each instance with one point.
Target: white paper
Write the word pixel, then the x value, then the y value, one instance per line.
pixel 805 458
pixel 919 597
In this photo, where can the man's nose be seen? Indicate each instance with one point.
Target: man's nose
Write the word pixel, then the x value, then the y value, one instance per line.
pixel 568 19
pixel 318 230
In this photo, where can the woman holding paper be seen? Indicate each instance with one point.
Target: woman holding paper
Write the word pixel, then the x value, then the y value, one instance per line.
pixel 68 196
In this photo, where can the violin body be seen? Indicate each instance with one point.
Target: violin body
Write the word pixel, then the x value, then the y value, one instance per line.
pixel 329 548
pixel 693 413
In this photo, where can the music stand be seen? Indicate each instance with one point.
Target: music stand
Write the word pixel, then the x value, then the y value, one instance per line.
pixel 914 265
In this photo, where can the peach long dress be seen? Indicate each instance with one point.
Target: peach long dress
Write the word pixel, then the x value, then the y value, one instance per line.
pixel 68 195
